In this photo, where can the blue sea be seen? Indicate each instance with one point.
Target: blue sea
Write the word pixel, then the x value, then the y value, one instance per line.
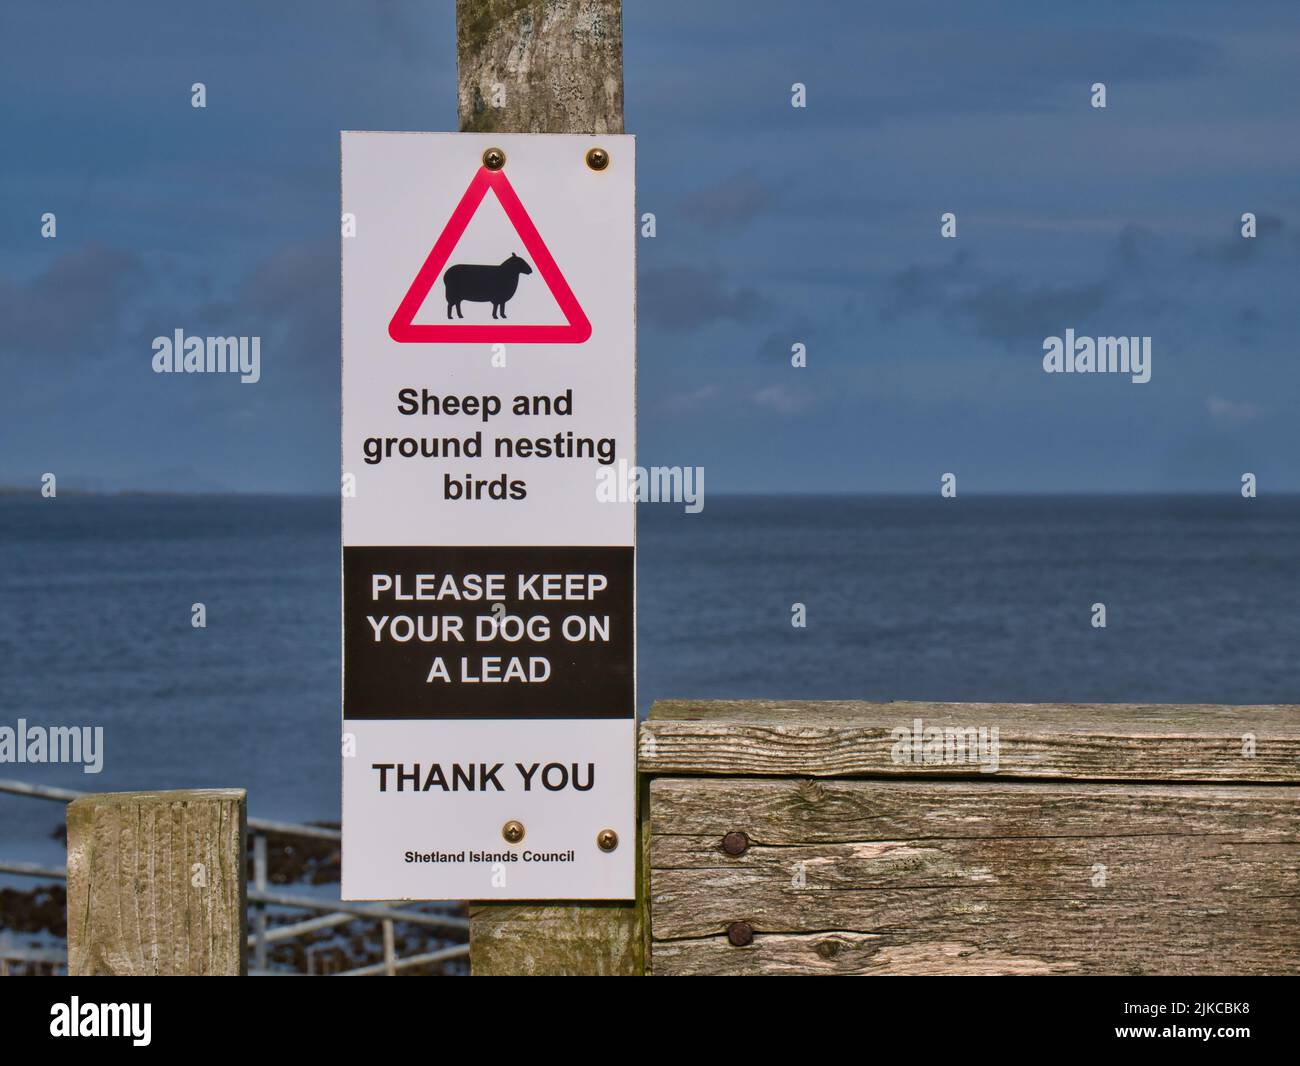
pixel 981 598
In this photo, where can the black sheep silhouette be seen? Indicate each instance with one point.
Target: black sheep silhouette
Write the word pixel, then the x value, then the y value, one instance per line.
pixel 483 284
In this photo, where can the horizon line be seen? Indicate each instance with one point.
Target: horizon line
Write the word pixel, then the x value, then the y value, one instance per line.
pixel 9 491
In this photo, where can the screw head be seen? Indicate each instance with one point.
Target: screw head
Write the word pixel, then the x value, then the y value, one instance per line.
pixel 597 158
pixel 741 934
pixel 513 831
pixel 735 843
pixel 607 840
pixel 494 159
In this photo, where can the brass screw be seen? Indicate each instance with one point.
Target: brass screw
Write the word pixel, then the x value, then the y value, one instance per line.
pixel 735 843
pixel 741 934
pixel 607 840
pixel 597 159
pixel 513 831
pixel 494 159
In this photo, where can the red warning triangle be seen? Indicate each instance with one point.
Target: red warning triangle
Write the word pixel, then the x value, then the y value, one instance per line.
pixel 403 328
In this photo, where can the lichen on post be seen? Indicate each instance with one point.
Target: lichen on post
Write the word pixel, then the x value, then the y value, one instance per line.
pixel 540 66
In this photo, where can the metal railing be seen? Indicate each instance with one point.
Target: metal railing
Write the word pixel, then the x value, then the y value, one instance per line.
pixel 261 897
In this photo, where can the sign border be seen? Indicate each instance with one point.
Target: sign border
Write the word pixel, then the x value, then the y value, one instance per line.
pixel 403 329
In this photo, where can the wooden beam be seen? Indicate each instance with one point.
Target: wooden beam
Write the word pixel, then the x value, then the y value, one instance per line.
pixel 966 877
pixel 156 883
pixel 546 66
pixel 1074 741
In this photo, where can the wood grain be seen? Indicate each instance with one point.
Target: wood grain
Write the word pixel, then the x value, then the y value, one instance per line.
pixel 156 883
pixel 956 877
pixel 1048 946
pixel 818 810
pixel 1134 742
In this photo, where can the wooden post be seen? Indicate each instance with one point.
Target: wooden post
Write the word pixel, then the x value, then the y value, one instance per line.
pixel 156 883
pixel 390 952
pixel 540 66
pixel 566 940
pixel 545 66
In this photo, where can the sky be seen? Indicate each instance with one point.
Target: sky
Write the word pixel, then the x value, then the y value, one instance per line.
pixel 775 225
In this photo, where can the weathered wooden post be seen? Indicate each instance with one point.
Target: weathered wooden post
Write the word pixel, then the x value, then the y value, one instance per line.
pixel 545 66
pixel 156 883
pixel 539 66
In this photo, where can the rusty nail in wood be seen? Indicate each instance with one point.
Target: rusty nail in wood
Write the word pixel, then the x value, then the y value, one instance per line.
pixel 513 831
pixel 597 159
pixel 494 159
pixel 735 843
pixel 741 934
pixel 607 840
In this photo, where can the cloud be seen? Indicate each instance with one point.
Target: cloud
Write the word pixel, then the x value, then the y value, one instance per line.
pixel 776 346
pixel 682 403
pixel 290 300
pixel 918 286
pixel 686 297
pixel 1010 311
pixel 730 205
pixel 1001 308
pixel 76 308
pixel 1231 412
pixel 1135 245
pixel 1239 249
pixel 782 400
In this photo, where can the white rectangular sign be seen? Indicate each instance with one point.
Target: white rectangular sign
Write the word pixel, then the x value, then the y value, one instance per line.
pixel 488 430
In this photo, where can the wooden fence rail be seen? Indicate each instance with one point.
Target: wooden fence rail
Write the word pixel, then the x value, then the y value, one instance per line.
pixel 841 838
pixel 927 838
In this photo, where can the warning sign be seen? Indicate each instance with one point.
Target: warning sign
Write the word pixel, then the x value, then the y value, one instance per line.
pixel 494 284
pixel 488 599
